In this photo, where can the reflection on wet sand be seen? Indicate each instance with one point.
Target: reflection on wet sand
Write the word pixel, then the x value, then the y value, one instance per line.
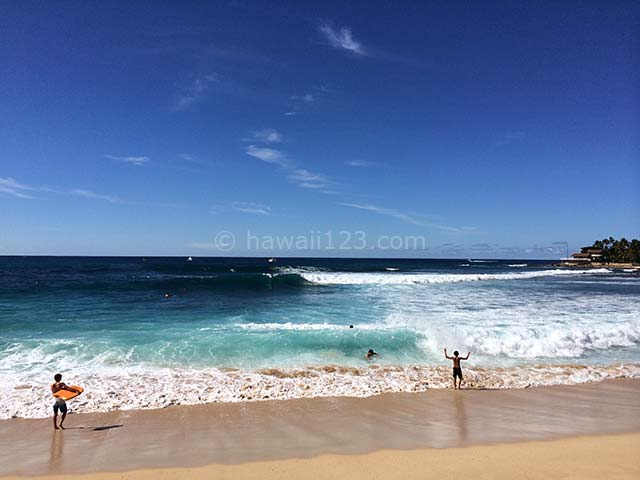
pixel 459 400
pixel 56 451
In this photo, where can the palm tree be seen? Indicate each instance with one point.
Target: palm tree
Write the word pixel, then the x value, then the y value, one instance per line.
pixel 635 250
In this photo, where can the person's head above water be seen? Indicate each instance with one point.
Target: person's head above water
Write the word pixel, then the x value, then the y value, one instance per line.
pixel 455 353
pixel 370 351
pixel 57 377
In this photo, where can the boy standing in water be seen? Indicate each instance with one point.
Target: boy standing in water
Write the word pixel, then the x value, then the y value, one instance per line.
pixel 457 370
pixel 59 404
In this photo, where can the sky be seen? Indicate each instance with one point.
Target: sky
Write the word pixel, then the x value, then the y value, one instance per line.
pixel 383 129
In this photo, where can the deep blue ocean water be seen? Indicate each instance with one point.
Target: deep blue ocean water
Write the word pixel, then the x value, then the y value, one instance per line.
pixel 153 316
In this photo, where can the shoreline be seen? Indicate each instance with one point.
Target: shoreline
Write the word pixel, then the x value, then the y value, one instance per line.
pixel 241 433
pixel 109 393
pixel 585 458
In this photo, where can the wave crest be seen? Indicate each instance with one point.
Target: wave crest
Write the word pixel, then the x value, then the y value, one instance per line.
pixel 350 278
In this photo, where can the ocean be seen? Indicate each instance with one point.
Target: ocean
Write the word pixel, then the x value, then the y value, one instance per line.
pixel 152 332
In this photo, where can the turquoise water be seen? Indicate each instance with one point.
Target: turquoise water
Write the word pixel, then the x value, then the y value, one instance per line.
pixel 158 316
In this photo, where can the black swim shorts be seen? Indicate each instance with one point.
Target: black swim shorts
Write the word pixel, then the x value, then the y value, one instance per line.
pixel 60 405
pixel 457 372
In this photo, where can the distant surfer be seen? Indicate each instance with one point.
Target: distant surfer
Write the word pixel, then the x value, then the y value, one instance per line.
pixel 370 354
pixel 457 370
pixel 60 404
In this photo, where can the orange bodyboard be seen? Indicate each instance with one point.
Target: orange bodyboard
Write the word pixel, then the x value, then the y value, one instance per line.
pixel 67 395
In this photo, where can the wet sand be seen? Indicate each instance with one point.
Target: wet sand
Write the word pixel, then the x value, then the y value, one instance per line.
pixel 581 458
pixel 250 433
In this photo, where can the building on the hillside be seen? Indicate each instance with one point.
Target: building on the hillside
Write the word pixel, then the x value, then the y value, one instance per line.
pixel 587 255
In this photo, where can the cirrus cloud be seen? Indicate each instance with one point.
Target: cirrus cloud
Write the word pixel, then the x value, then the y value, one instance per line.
pixel 341 38
pixel 16 189
pixel 132 160
pixel 195 92
pixel 252 208
pixel 267 135
pixel 267 155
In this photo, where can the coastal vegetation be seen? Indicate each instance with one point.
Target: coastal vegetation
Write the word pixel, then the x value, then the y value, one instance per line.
pixel 619 251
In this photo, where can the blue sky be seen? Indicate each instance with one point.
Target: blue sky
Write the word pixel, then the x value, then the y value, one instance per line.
pixel 150 128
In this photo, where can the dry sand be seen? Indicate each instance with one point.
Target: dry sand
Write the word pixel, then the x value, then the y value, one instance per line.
pixel 487 434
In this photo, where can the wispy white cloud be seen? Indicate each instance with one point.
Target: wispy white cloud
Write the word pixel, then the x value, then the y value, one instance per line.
pixel 361 164
pixel 341 38
pixel 302 177
pixel 266 135
pixel 266 154
pixel 306 98
pixel 133 160
pixel 94 196
pixel 242 207
pixel 300 102
pixel 385 211
pixel 251 208
pixel 413 219
pixel 195 92
pixel 310 180
pixel 9 186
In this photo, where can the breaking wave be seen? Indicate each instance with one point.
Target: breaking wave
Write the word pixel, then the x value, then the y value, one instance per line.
pixel 352 278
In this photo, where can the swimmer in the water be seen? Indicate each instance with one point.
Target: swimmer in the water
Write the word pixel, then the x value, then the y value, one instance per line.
pixel 370 354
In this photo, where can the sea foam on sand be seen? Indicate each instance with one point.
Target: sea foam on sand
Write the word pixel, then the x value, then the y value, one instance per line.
pixel 136 389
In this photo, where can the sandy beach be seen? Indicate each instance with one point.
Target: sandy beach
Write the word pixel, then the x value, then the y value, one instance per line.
pixel 581 431
pixel 594 457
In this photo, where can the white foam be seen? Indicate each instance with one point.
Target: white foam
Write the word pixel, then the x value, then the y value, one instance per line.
pixel 298 270
pixel 349 278
pixel 128 389
pixel 503 326
pixel 548 341
pixel 512 341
